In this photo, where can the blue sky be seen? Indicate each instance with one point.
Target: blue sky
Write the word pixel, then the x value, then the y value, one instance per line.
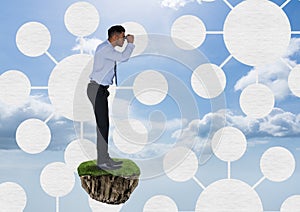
pixel 280 128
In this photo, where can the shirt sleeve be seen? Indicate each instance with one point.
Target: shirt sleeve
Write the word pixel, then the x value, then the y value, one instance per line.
pixel 115 55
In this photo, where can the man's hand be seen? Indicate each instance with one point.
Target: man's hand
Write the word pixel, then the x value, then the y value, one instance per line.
pixel 130 38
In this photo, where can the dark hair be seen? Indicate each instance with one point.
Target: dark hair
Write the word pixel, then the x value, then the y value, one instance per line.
pixel 115 29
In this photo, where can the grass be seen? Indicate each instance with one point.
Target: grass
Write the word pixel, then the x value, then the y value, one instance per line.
pixel 128 169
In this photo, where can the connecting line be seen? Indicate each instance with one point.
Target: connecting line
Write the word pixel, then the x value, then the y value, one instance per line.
pixel 296 32
pixel 39 87
pixel 288 65
pixel 259 182
pixel 285 3
pixel 198 182
pixel 81 45
pixel 228 170
pixel 57 204
pixel 214 32
pixel 226 61
pixel 228 4
pixel 48 119
pixel 51 57
pixel 81 130
pixel 271 211
pixel 256 80
pixel 124 88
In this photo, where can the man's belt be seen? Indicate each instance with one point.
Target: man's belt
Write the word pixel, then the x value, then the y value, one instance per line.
pixel 103 86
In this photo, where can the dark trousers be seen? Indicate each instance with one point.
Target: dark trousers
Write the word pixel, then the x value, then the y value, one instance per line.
pixel 98 96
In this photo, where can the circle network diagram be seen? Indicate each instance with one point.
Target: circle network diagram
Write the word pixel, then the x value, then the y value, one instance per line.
pixel 246 41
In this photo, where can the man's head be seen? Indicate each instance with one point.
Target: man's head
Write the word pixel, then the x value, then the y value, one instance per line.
pixel 116 35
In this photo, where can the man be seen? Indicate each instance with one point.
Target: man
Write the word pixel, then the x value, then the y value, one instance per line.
pixel 104 70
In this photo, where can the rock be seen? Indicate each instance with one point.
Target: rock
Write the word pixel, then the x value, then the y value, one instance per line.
pixel 112 187
pixel 108 188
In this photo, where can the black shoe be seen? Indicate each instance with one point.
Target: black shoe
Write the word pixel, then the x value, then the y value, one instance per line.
pixel 108 166
pixel 115 163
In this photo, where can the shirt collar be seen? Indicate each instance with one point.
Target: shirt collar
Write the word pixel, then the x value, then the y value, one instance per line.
pixel 109 43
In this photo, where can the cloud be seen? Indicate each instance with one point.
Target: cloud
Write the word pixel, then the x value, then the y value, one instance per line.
pixel 12 116
pixel 198 133
pixel 88 45
pixel 257 142
pixel 293 47
pixel 273 75
pixel 281 124
pixel 36 107
pixel 176 4
pixel 278 123
pixel 201 127
pixel 175 123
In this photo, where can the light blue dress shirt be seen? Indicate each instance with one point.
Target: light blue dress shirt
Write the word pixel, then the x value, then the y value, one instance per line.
pixel 104 61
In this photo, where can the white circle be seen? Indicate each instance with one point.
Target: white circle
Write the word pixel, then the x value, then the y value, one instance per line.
pixel 79 151
pixel 57 179
pixel 67 87
pixel 188 32
pixel 140 37
pixel 257 101
pixel 257 32
pixel 81 19
pixel 12 197
pixel 160 203
pixel 33 39
pixel 150 87
pixel 294 79
pixel 14 87
pixel 229 144
pixel 229 195
pixel 97 206
pixel 208 81
pixel 277 164
pixel 33 136
pixel 130 136
pixel 291 204
pixel 180 164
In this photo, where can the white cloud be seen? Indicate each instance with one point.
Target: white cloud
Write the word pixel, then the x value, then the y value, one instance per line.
pixel 167 125
pixel 176 123
pixel 88 45
pixel 293 47
pixel 198 133
pixel 254 143
pixel 273 75
pixel 278 123
pixel 201 127
pixel 37 107
pixel 176 4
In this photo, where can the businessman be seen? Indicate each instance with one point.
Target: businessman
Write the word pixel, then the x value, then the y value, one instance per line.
pixel 104 71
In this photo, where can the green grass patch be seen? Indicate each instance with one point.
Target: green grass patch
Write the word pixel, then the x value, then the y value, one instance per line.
pixel 128 169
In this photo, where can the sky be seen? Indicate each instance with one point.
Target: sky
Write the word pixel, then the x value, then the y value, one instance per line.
pixel 170 117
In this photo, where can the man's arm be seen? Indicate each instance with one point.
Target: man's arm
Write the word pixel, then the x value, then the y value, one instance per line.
pixel 122 56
